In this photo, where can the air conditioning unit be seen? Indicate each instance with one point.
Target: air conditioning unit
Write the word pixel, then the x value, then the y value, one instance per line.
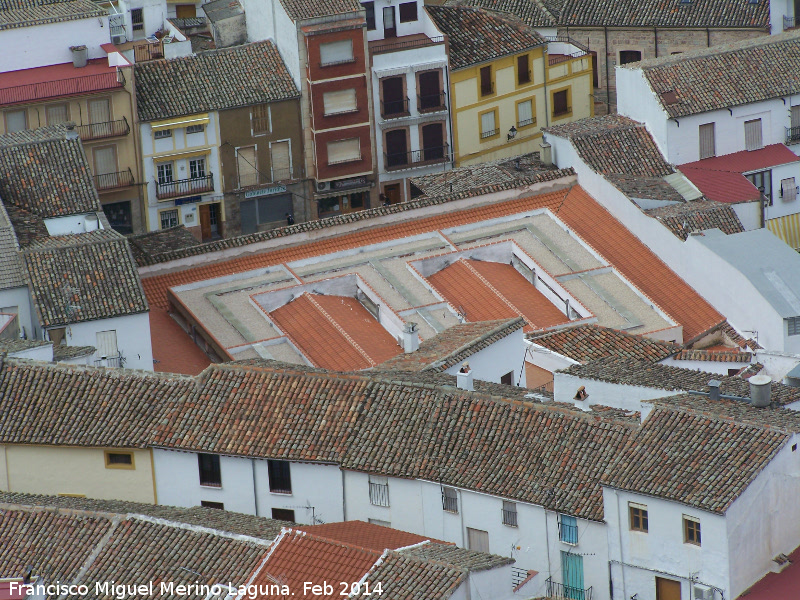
pixel 118 39
pixel 323 186
pixel 702 592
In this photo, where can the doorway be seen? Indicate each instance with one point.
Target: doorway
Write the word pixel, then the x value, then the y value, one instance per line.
pixel 396 148
pixel 393 193
pixel 667 589
pixel 430 93
pixel 210 226
pixel 433 141
pixel 389 25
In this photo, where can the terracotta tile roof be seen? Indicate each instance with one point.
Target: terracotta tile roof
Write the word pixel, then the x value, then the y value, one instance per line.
pixel 406 577
pixel 335 332
pixel 531 12
pixel 12 273
pixel 714 356
pixel 93 271
pixel 624 371
pixel 299 10
pixel 672 13
pixel 29 228
pixel 722 76
pixel 213 80
pixel 297 558
pixel 615 144
pixel 12 345
pixel 586 343
pixel 63 352
pixel 453 345
pixel 476 36
pixel 153 243
pixel 489 290
pixel 595 225
pixel 682 219
pixel 173 350
pixel 220 520
pixel 365 535
pixel 728 331
pixel 26 13
pixel 458 557
pixel 75 406
pixel 48 177
pixel 696 459
pixel 528 452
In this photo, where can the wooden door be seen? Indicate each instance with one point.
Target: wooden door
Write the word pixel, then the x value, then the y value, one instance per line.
pixel 389 25
pixel 667 589
pixel 205 222
pixel 392 193
pixel 185 11
pixel 429 90
pixel 433 141
pixel 396 148
pixel 393 97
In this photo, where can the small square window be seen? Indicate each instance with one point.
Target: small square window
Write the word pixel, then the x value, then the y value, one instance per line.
pixel 195 129
pixel 215 505
pixel 261 119
pixel 160 134
pixel 209 467
pixel 449 499
pixel 510 513
pixel 691 530
pixel 283 514
pixel 137 19
pixel 638 517
pixel 568 529
pixel 408 12
pixel 119 460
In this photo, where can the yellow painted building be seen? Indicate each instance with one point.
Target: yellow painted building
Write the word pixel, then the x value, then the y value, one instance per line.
pixel 508 83
pixel 103 473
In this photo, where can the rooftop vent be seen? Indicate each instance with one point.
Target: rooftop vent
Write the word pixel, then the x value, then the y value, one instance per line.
pixel 760 390
pixel 410 338
pixel 713 389
pixel 464 378
pixel 79 56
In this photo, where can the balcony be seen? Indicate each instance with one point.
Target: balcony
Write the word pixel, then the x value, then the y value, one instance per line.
pixel 415 158
pixel 113 181
pixel 432 102
pixel 526 122
pixel 391 109
pixel 489 133
pixel 114 362
pixel 792 135
pixel 103 78
pixel 379 494
pixel 99 131
pixel 408 42
pixel 559 591
pixel 184 187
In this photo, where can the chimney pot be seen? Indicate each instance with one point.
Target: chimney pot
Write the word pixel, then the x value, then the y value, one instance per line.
pixel 713 389
pixel 410 337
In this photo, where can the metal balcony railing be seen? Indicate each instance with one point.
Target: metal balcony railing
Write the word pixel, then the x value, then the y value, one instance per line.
pixel 568 533
pixel 98 131
pixel 789 22
pixel 379 494
pixel 62 87
pixel 526 122
pixel 431 102
pixel 559 590
pixel 400 160
pixel 490 133
pixel 509 517
pixel 562 111
pixel 792 135
pixel 112 181
pixel 115 362
pixel 184 187
pixel 394 108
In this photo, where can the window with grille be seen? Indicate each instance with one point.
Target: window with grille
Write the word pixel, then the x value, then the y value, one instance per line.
pixel 283 514
pixel 752 135
pixel 794 325
pixel 334 53
pixel 137 19
pixel 197 168
pixel 489 125
pixel 525 114
pixel 379 490
pixel 169 218
pixel 510 513
pixel 119 460
pixel 707 141
pixel 209 469
pixel 261 119
pixel 280 476
pixel 638 517
pixel 691 531
pixel 449 499
pixel 161 134
pixel 408 12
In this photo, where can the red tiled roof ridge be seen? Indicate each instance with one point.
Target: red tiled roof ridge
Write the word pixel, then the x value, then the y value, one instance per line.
pixel 297 532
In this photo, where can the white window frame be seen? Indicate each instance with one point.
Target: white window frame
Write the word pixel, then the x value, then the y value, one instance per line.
pixel 171 178
pixel 162 213
pixel 162 134
pixel 291 162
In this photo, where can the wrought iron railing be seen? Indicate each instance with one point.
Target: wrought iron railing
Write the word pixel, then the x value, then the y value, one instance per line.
pixel 789 22
pixel 98 131
pixel 490 133
pixel 62 87
pixel 399 160
pixel 111 181
pixel 115 362
pixel 526 122
pixel 184 187
pixel 562 111
pixel 418 43
pixel 379 494
pixel 559 590
pixel 509 517
pixel 430 102
pixel 792 134
pixel 394 108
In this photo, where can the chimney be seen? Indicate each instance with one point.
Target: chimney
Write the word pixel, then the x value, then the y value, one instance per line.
pixel 464 378
pixel 71 134
pixel 713 389
pixel 546 155
pixel 760 390
pixel 410 338
pixel 79 56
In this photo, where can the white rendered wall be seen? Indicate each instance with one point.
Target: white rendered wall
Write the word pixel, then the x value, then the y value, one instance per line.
pixel 245 486
pixel 637 558
pixel 547 359
pixel 780 207
pixel 491 363
pixel 710 366
pixel 40 353
pixel 133 338
pixel 410 28
pixel 49 44
pixel 635 99
pixel 765 520
pixel 71 224
pixel 626 397
pixel 20 298
pixel 269 21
